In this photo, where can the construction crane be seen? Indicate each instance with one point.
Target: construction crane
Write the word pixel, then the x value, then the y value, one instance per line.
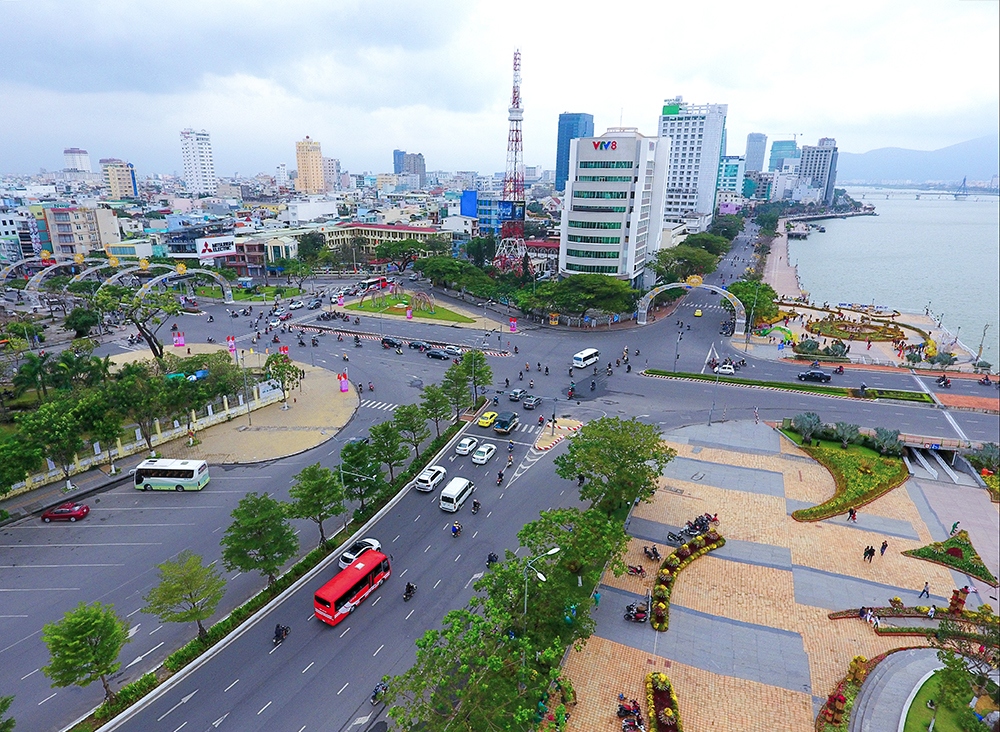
pixel 795 135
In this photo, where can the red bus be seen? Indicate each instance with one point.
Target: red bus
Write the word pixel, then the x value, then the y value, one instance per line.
pixel 337 599
pixel 373 283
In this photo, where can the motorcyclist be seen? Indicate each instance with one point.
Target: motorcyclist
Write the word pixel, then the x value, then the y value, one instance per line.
pixel 500 477
pixel 410 588
pixel 510 446
pixel 456 529
pixel 475 504
pixel 371 386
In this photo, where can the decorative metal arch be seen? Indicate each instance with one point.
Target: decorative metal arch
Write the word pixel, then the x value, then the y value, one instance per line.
pixel 121 273
pixel 227 290
pixel 36 279
pixel 741 313
pixel 90 270
pixel 6 271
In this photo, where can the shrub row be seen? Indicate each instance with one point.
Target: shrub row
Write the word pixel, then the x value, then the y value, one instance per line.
pixel 677 560
pixel 126 697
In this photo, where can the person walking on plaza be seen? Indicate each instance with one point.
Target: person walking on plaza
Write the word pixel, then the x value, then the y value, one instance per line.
pixel 926 592
pixel 881 551
pixel 852 515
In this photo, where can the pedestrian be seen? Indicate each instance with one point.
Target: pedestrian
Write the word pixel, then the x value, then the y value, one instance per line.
pixel 930 613
pixel 865 555
pixel 597 599
pixel 852 515
pixel 875 622
pixel 861 613
pixel 881 551
pixel 871 554
pixel 926 592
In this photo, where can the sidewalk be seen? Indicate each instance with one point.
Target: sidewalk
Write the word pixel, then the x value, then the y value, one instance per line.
pixel 316 412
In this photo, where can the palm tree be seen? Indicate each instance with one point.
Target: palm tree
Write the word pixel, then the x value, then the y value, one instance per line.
pixel 34 374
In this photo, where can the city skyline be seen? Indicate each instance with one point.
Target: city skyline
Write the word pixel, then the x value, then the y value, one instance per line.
pixel 432 79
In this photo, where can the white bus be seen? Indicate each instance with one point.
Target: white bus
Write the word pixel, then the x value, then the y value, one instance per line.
pixel 164 475
pixel 585 358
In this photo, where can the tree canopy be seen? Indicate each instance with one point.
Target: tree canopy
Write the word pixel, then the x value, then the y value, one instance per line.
pixel 582 293
pixel 727 226
pixel 147 313
pixel 620 461
pixel 711 243
pixel 84 646
pixel 317 495
pixel 402 252
pixel 188 591
pixel 260 539
pixel 678 263
pixel 758 299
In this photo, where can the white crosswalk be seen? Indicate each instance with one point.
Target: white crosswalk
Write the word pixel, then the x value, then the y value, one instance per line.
pixel 381 406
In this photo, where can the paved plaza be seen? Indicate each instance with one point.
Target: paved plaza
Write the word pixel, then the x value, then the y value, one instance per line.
pixel 750 646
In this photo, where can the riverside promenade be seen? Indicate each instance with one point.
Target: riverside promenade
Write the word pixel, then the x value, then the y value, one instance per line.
pixel 779 273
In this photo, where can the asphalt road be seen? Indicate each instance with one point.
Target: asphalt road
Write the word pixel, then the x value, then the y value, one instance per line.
pixel 111 556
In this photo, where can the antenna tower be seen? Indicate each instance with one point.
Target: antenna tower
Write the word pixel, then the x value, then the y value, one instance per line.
pixel 511 250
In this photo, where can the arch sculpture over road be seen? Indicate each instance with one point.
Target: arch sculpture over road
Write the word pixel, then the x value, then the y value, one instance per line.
pixel 690 284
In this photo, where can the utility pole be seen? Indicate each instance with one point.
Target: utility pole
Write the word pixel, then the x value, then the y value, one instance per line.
pixel 979 355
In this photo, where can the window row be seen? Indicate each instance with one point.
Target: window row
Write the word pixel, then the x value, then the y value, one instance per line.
pixel 593 268
pixel 600 194
pixel 594 239
pixel 605 164
pixel 600 209
pixel 591 255
pixel 596 224
pixel 605 178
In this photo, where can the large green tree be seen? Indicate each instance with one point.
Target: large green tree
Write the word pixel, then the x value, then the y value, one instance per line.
pixel 402 252
pixel 6 723
pixel 145 395
pixel 477 369
pixel 455 385
pixel 678 263
pixel 411 423
pixel 387 446
pixel 146 313
pixel 758 299
pixel 311 245
pixel 317 495
pixel 727 226
pixel 18 457
pixel 619 459
pixel 187 591
pixel 481 250
pixel 362 473
pixel 84 646
pixel 55 429
pixel 717 245
pixel 260 539
pixel 81 320
pixel 583 293
pixel 282 369
pixel 435 405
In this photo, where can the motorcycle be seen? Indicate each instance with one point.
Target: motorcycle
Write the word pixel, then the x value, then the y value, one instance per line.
pixel 541 421
pixel 357 344
pixel 456 530
pixel 500 477
pixel 346 358
pixel 492 559
pixel 210 339
pixel 380 689
pixel 173 328
pixel 946 383
pixel 408 592
pixel 315 342
pixel 985 381
pixel 280 633
pixel 475 507
pixel 839 370
pixel 636 613
pixel 211 319
pixel 636 570
pixel 275 340
pixel 652 553
pixel 593 385
pixel 371 386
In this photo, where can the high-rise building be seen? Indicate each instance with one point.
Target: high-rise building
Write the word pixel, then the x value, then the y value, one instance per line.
pixel 696 135
pixel 780 150
pixel 331 174
pixel 76 160
pixel 199 165
pixel 119 177
pixel 820 164
pixel 397 161
pixel 756 147
pixel 612 217
pixel 413 164
pixel 309 160
pixel 572 125
pixel 731 171
pixel 80 229
pixel 281 175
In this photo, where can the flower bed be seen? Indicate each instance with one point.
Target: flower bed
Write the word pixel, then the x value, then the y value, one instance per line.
pixel 661 700
pixel 851 330
pixel 956 553
pixel 839 704
pixel 677 560
pixel 993 486
pixel 860 475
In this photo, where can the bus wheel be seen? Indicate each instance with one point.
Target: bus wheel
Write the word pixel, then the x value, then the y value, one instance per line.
pixel 178 487
pixel 147 487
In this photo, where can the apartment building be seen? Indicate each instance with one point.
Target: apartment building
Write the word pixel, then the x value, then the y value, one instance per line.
pixel 199 165
pixel 119 177
pixel 81 230
pixel 697 133
pixel 309 159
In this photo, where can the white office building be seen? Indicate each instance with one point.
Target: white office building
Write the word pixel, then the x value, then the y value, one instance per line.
pixel 696 133
pixel 820 164
pixel 76 160
pixel 281 175
pixel 199 165
pixel 613 212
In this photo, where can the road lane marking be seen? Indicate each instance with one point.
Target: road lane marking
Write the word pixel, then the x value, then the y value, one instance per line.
pixel 308 667
pixel 379 649
pixel 394 540
pixel 343 687
pixel 62 546
pixel 436 584
pixel 375 602
pixel 406 618
pixel 133 630
pixel 137 610
pixel 404 571
pixel 39 589
pixel 139 658
pixel 155 629
pixel 427 549
pixel 458 557
pixel 184 700
pixel 263 708
pixel 344 633
pixel 231 685
pixel 45 699
pixel 416 519
pixel 27 675
pixel 183 725
pixel 54 566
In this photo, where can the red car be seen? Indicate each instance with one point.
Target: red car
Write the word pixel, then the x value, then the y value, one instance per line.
pixel 286 316
pixel 66 512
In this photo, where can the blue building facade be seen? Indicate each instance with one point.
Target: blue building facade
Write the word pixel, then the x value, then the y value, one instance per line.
pixel 571 126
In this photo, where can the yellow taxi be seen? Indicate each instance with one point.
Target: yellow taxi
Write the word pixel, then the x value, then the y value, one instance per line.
pixel 697 313
pixel 487 419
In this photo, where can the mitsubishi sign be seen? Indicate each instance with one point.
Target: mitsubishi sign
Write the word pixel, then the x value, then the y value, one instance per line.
pixel 210 247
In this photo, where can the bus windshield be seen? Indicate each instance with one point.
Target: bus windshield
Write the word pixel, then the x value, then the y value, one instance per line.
pixel 168 475
pixel 335 600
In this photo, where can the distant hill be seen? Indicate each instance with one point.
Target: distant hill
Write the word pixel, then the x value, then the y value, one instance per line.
pixel 975 159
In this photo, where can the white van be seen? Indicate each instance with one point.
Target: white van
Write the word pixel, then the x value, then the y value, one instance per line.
pixel 455 494
pixel 585 358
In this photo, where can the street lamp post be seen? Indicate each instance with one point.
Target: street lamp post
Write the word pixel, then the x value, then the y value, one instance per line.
pixel 541 577
pixel 246 395
pixel 680 335
pixel 715 391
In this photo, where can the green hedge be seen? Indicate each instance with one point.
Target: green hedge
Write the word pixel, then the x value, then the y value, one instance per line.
pixel 126 697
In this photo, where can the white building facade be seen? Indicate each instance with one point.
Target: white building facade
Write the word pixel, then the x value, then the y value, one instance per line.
pixel 613 212
pixel 696 133
pixel 819 163
pixel 199 165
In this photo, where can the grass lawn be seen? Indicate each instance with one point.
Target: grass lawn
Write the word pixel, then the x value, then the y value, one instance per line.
pixel 811 388
pixel 396 305
pixel 241 295
pixel 963 556
pixel 861 475
pixel 919 717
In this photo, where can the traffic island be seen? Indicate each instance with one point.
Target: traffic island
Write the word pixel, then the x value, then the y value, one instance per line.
pixel 554 433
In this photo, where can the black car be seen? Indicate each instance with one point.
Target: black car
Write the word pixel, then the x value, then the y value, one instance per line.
pixel 438 354
pixel 505 422
pixel 420 344
pixel 315 304
pixel 814 375
pixel 390 342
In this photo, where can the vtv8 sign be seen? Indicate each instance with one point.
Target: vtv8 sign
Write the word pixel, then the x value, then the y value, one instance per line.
pixel 605 144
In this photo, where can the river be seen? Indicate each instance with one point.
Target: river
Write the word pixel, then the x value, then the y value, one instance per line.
pixel 931 252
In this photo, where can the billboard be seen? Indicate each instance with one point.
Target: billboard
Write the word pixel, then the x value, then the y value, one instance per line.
pixel 215 246
pixel 510 210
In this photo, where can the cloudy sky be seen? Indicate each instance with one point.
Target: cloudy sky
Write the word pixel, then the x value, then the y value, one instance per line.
pixel 363 77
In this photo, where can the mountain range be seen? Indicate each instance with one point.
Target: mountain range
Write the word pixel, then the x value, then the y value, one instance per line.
pixel 973 159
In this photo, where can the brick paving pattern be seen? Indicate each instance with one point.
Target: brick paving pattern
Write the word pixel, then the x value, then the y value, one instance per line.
pixel 774 573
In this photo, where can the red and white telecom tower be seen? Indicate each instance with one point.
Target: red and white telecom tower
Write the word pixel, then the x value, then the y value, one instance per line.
pixel 511 249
